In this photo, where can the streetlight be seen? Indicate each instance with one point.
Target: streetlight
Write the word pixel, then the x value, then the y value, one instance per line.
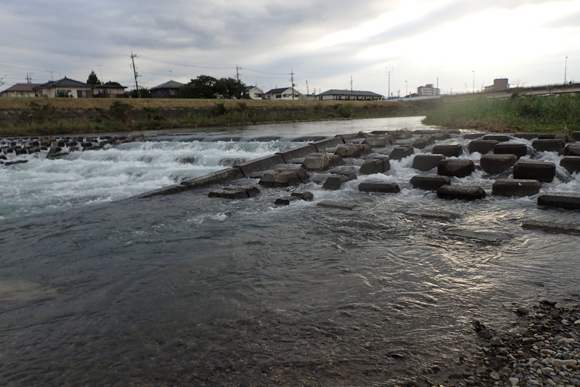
pixel 565 68
pixel 473 71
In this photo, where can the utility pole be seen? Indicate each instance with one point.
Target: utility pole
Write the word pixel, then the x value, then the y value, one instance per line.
pixel 565 69
pixel 292 80
pixel 406 89
pixel 351 87
pixel 29 78
pixel 389 96
pixel 307 90
pixel 473 71
pixel 101 74
pixel 50 71
pixel 135 74
pixel 237 73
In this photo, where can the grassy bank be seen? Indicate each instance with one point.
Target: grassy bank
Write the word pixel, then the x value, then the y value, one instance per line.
pixel 517 113
pixel 20 117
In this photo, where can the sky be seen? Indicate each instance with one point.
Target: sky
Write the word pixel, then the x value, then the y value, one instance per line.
pixel 373 45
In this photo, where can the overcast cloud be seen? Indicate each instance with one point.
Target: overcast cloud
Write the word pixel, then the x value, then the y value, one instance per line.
pixel 460 43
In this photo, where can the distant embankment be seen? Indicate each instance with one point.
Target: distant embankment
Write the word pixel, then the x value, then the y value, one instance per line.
pixel 41 116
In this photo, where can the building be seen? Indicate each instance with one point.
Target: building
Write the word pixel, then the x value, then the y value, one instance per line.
pixel 67 88
pixel 109 91
pixel 348 95
pixel 498 84
pixel 166 90
pixel 283 94
pixel 21 90
pixel 254 92
pixel 428 90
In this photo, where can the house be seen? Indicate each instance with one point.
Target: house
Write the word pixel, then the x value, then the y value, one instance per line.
pixel 68 88
pixel 254 92
pixel 498 84
pixel 428 90
pixel 285 93
pixel 166 90
pixel 21 90
pixel 355 95
pixel 110 90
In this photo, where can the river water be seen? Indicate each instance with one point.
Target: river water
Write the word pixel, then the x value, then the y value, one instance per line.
pixel 97 289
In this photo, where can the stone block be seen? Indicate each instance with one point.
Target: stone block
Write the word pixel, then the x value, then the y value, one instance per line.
pixel 284 178
pixel 557 227
pixel 526 136
pixel 481 146
pixel 455 167
pixel 334 182
pixel 402 134
pixel 515 187
pixel 421 132
pixel 461 192
pixel 494 164
pixel 430 182
pixel 321 162
pixel 261 164
pixel 382 187
pixel 423 141
pixel 235 192
pixel 353 150
pixel 562 200
pixel 425 162
pixel 303 195
pixel 401 152
pixel 553 136
pixel 375 165
pixel 497 137
pixel 507 148
pixel 379 142
pixel 571 163
pixel 572 150
pixel 453 150
pixel 575 136
pixel 538 170
pixel 473 136
pixel 295 153
pixel 327 143
pixel 440 136
pixel 547 145
pixel 286 200
pixel 337 205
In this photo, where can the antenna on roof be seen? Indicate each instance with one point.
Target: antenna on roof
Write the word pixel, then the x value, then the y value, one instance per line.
pixel 29 78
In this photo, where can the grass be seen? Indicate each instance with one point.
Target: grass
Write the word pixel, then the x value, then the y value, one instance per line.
pixel 517 113
pixel 69 116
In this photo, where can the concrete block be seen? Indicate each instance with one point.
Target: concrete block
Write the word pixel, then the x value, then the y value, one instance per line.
pixel 557 227
pixel 421 132
pixel 235 192
pixel 538 170
pixel 572 150
pixel 494 164
pixel 337 205
pixel 507 148
pixel 562 200
pixel 401 152
pixel 295 153
pixel 286 200
pixel 526 136
pixel 430 182
pixel 379 187
pixel 261 164
pixel 460 192
pixel 375 165
pixel 423 141
pixel 334 182
pixel 571 163
pixel 481 146
pixel 426 162
pixel 515 187
pixel 553 136
pixel 497 137
pixel 455 167
pixel 328 143
pixel 440 136
pixel 284 178
pixel 430 214
pixel 353 150
pixel 473 136
pixel 218 177
pixel 448 150
pixel 575 136
pixel 303 195
pixel 379 142
pixel 547 145
pixel 321 162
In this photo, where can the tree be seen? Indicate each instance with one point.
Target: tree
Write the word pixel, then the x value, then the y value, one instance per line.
pixel 93 79
pixel 230 88
pixel 201 87
pixel 143 92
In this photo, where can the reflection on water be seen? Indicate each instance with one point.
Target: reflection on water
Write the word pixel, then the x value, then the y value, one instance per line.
pixel 188 290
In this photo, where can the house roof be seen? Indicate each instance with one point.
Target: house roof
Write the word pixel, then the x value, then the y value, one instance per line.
pixel 349 92
pixel 278 91
pixel 22 87
pixel 65 82
pixel 248 88
pixel 109 87
pixel 168 85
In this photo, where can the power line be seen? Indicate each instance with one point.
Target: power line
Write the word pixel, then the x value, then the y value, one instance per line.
pixel 187 65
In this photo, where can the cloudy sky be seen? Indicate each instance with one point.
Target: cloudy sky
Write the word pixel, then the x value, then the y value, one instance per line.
pixel 325 43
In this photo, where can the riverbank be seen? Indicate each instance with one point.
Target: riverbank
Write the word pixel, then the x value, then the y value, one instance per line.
pixel 38 116
pixel 515 114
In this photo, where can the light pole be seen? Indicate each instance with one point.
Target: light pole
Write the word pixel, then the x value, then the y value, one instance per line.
pixel 473 71
pixel 406 89
pixel 565 68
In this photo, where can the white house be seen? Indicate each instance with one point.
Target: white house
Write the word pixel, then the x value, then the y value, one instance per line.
pixel 428 90
pixel 254 92
pixel 283 94
pixel 65 88
pixel 21 90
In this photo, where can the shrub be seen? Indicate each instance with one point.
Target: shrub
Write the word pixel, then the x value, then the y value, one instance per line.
pixel 118 110
pixel 219 109
pixel 344 110
pixel 153 114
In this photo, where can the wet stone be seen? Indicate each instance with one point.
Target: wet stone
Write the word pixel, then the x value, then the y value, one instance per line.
pixel 334 183
pixel 284 177
pixel 572 150
pixel 473 136
pixel 481 146
pixel 575 136
pixel 429 214
pixel 561 200
pixel 453 150
pixel 375 165
pixel 379 142
pixel 353 150
pixel 548 145
pixel 461 192
pixel 235 192
pixel 429 182
pixel 525 136
pixel 519 150
pixel 321 162
pixel 379 187
pixel 538 170
pixel 571 163
pixel 455 167
pixel 423 141
pixel 494 164
pixel 401 152
pixel 516 187
pixel 426 162
pixel 303 195
pixel 441 136
pixel 497 137
pixel 335 204
pixel 286 200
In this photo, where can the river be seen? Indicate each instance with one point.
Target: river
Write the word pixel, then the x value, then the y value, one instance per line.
pixel 99 289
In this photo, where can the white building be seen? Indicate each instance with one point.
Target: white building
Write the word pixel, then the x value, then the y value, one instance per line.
pixel 283 94
pixel 254 92
pixel 428 90
pixel 65 87
pixel 347 95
